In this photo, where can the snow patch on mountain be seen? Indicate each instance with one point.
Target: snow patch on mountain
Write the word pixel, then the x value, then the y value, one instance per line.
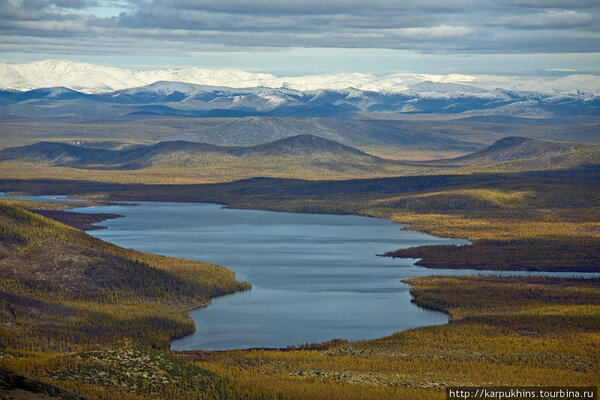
pixel 91 78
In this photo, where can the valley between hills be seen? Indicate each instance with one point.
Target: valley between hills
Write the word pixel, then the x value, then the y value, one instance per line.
pixel 82 318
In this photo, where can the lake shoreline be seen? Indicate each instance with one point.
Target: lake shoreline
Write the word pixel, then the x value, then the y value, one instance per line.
pixel 82 221
pixel 98 217
pixel 351 281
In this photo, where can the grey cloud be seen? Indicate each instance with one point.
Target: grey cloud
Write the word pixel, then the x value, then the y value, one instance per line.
pixel 180 26
pixel 313 6
pixel 75 4
pixel 33 5
pixel 566 4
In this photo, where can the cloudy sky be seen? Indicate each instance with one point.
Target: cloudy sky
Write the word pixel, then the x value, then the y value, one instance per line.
pixel 310 36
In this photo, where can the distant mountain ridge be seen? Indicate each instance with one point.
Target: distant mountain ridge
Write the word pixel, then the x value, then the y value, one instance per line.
pixel 91 78
pixel 185 99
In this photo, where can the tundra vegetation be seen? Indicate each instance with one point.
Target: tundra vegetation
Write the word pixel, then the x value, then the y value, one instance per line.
pixel 79 316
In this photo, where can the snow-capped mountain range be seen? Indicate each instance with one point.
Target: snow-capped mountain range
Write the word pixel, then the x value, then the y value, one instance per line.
pixel 95 79
pixel 65 89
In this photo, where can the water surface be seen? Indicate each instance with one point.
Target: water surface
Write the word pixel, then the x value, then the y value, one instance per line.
pixel 314 277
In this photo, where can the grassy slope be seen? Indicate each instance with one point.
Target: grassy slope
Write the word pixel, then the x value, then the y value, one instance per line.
pixel 61 289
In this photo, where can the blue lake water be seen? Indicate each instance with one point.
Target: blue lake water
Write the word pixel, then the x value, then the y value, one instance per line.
pixel 315 277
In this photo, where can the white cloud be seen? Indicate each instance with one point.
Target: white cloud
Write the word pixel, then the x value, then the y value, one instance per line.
pixel 433 32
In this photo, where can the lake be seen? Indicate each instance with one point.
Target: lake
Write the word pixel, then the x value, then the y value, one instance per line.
pixel 315 277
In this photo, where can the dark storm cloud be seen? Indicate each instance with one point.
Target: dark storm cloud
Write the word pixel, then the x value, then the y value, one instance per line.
pixel 180 26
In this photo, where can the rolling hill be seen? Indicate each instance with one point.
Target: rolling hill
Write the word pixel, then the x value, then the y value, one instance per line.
pixel 296 156
pixel 58 154
pixel 305 149
pixel 527 153
pixel 301 150
pixel 250 131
